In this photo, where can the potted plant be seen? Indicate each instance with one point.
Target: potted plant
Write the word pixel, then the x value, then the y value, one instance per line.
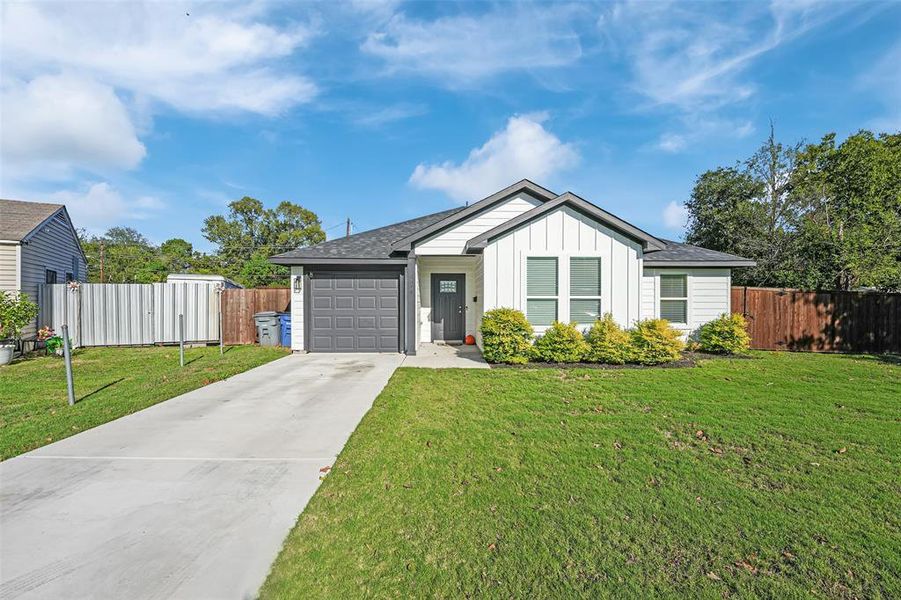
pixel 16 311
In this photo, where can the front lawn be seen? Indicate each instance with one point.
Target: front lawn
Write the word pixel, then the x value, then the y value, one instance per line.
pixel 777 476
pixel 109 383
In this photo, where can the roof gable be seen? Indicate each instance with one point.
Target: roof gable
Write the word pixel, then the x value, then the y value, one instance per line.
pixel 19 220
pixel 648 242
pixel 405 244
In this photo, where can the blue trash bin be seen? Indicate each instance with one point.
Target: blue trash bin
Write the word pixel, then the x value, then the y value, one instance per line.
pixel 284 321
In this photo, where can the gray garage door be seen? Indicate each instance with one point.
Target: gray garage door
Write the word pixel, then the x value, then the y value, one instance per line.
pixel 354 312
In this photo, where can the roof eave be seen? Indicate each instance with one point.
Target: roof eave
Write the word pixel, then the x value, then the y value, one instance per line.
pixel 314 260
pixel 699 263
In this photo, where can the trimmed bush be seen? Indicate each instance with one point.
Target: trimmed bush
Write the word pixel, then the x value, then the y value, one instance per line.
pixel 608 342
pixel 560 344
pixel 655 342
pixel 727 334
pixel 506 336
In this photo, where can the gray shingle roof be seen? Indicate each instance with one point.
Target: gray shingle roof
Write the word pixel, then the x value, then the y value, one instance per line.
pixel 680 254
pixel 372 244
pixel 18 219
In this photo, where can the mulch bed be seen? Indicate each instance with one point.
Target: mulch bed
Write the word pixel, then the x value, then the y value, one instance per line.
pixel 689 359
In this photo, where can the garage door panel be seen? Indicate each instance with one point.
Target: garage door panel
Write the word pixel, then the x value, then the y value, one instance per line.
pixel 324 302
pixel 354 312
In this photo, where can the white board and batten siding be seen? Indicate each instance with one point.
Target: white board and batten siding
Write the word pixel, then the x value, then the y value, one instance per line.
pixel 565 233
pixel 709 294
pixel 452 241
pixel 297 309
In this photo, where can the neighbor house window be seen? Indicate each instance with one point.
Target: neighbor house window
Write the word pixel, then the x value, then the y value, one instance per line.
pixel 584 289
pixel 541 290
pixel 674 298
pixel 49 276
pixel 74 267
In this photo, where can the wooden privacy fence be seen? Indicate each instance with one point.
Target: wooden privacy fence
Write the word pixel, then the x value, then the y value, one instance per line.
pixel 783 319
pixel 131 314
pixel 239 306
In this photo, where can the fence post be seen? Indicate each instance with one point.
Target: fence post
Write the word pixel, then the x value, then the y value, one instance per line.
pixel 181 340
pixel 67 354
pixel 221 329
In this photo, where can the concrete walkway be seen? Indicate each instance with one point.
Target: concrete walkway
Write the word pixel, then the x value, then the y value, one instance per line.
pixel 190 498
pixel 445 356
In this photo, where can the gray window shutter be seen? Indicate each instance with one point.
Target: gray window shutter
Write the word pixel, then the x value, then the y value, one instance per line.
pixel 673 286
pixel 584 276
pixel 541 276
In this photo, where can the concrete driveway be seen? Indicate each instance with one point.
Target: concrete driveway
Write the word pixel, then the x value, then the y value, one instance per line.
pixel 190 498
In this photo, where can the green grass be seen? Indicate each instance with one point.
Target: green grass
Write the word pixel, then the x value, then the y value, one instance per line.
pixel 109 383
pixel 777 476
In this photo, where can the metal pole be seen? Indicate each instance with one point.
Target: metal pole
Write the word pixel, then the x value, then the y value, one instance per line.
pixel 67 354
pixel 181 340
pixel 221 340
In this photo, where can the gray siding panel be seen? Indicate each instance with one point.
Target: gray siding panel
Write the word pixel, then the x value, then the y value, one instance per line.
pixel 53 247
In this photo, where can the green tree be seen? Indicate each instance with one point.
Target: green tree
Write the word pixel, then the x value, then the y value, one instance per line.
pixel 814 216
pixel 853 224
pixel 126 256
pixel 250 233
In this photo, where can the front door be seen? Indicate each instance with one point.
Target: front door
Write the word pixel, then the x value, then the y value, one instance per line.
pixel 448 306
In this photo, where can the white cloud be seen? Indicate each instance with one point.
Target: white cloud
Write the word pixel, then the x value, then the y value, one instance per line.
pixel 98 206
pixel 82 80
pixel 55 119
pixel 675 216
pixel 390 114
pixel 671 142
pixel 462 50
pixel 695 59
pixel 524 148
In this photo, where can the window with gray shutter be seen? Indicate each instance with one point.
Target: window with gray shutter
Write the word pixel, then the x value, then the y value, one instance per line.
pixel 541 290
pixel 584 289
pixel 674 298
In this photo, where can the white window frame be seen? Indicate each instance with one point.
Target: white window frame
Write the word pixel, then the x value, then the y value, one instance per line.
pixel 687 297
pixel 570 298
pixel 563 281
pixel 525 288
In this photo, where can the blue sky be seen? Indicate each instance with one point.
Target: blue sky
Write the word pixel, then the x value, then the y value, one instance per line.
pixel 157 115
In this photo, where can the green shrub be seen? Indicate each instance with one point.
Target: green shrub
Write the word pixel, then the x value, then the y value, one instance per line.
pixel 16 312
pixel 560 344
pixel 655 342
pixel 506 336
pixel 727 334
pixel 608 343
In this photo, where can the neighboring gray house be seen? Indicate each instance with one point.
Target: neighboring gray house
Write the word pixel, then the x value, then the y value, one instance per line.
pixel 553 256
pixel 37 245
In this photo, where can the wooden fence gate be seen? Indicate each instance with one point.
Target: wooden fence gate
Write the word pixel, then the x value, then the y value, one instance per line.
pixel 239 306
pixel 783 319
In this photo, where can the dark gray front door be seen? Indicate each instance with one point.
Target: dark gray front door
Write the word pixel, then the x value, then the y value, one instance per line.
pixel 354 312
pixel 448 306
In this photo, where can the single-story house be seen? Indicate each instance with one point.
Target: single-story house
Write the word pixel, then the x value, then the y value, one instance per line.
pixel 553 256
pixel 38 244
